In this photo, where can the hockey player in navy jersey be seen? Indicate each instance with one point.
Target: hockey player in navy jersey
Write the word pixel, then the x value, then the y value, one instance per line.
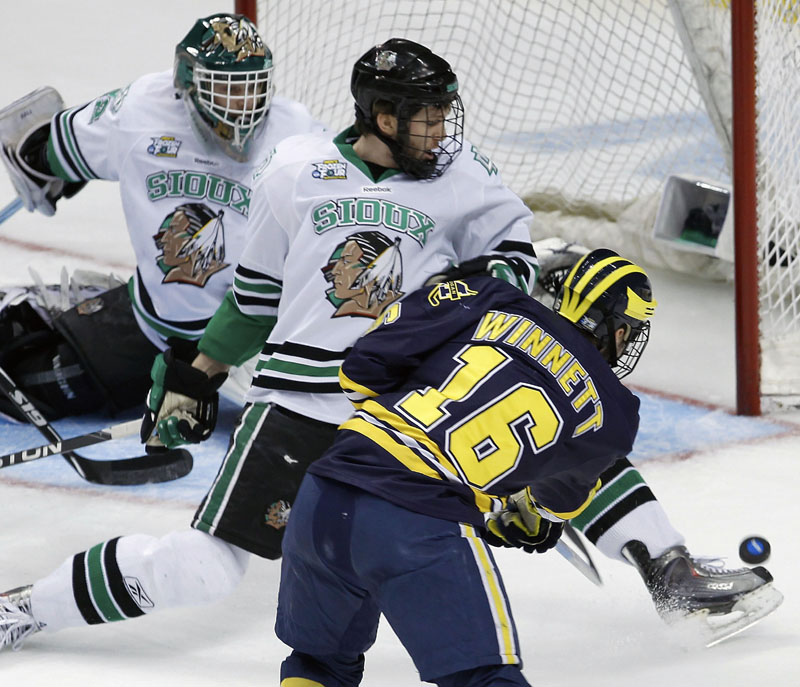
pixel 481 417
pixel 185 146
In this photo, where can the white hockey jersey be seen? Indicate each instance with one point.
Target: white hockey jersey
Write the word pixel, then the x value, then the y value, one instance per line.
pixel 333 246
pixel 186 205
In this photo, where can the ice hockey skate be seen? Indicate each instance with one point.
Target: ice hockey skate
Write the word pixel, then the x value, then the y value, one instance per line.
pixel 16 620
pixel 699 596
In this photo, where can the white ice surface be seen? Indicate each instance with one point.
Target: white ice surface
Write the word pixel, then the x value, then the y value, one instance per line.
pixel 571 632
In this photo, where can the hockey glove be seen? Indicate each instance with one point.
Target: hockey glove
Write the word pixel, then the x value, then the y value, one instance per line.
pixel 522 526
pixel 556 258
pixel 30 173
pixel 492 265
pixel 181 405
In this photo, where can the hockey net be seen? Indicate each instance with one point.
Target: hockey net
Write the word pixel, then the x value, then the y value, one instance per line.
pixel 586 107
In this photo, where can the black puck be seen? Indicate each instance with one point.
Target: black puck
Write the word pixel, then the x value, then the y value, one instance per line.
pixel 754 549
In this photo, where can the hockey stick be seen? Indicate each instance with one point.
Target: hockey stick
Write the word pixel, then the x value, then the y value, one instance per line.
pixel 123 429
pixel 10 209
pixel 160 467
pixel 578 556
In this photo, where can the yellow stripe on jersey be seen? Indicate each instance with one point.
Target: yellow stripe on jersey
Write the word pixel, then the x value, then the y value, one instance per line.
pixel 404 454
pixel 348 384
pixel 575 513
pixel 300 682
pixel 396 422
pixel 483 501
pixel 495 596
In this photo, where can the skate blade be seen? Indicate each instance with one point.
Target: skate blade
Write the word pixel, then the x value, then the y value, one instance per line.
pixel 704 628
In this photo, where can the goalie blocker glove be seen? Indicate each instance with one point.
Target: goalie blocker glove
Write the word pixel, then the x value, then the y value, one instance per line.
pixel 182 403
pixel 38 189
pixel 24 133
pixel 523 526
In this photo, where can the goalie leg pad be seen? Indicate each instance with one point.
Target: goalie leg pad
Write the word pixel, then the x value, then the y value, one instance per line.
pixel 44 365
pixel 106 338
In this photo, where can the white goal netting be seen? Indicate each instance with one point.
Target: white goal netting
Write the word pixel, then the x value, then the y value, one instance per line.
pixel 587 107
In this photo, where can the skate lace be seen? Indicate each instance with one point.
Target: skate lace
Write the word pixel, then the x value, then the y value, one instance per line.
pixel 713 564
pixel 15 627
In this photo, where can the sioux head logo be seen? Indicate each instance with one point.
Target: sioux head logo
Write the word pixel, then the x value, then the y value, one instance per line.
pixel 365 272
pixel 278 514
pixel 236 37
pixel 192 244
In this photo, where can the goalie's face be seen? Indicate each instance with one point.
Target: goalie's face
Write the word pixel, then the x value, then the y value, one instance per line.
pixel 237 98
pixel 236 103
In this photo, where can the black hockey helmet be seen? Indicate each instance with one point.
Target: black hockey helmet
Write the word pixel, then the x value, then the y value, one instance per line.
pixel 408 76
pixel 602 293
pixel 221 58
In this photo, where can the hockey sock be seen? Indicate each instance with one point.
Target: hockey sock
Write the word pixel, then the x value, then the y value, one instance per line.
pixel 127 577
pixel 623 509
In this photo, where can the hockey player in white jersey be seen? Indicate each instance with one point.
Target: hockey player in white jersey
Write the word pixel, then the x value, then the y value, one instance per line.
pixel 185 146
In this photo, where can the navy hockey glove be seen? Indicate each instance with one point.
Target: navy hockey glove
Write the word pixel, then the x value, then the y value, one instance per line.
pixel 181 405
pixel 493 265
pixel 521 526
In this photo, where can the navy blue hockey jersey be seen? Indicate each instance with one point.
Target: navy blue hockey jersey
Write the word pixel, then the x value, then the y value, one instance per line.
pixel 469 391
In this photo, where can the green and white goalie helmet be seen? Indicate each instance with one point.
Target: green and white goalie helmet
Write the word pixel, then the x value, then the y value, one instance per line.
pixel 223 71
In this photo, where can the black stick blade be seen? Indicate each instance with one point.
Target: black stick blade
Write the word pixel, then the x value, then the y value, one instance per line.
pixel 147 469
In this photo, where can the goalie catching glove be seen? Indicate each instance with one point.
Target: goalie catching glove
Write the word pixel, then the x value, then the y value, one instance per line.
pixel 523 526
pixel 182 403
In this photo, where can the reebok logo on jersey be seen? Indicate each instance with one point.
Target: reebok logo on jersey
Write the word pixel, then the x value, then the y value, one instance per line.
pixel 164 146
pixel 329 169
pixel 376 189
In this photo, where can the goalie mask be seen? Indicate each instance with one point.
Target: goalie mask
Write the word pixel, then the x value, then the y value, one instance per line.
pixel 407 80
pixel 602 293
pixel 223 71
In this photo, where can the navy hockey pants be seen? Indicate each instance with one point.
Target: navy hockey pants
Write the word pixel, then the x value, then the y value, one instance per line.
pixel 349 556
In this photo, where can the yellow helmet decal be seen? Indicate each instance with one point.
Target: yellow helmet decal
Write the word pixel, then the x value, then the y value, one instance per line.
pixel 638 307
pixel 573 306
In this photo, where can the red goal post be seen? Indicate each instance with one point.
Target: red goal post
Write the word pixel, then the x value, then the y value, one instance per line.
pixel 590 107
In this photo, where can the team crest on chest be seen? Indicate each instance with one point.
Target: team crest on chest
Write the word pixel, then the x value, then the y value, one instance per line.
pixel 192 244
pixel 164 146
pixel 365 273
pixel 329 169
